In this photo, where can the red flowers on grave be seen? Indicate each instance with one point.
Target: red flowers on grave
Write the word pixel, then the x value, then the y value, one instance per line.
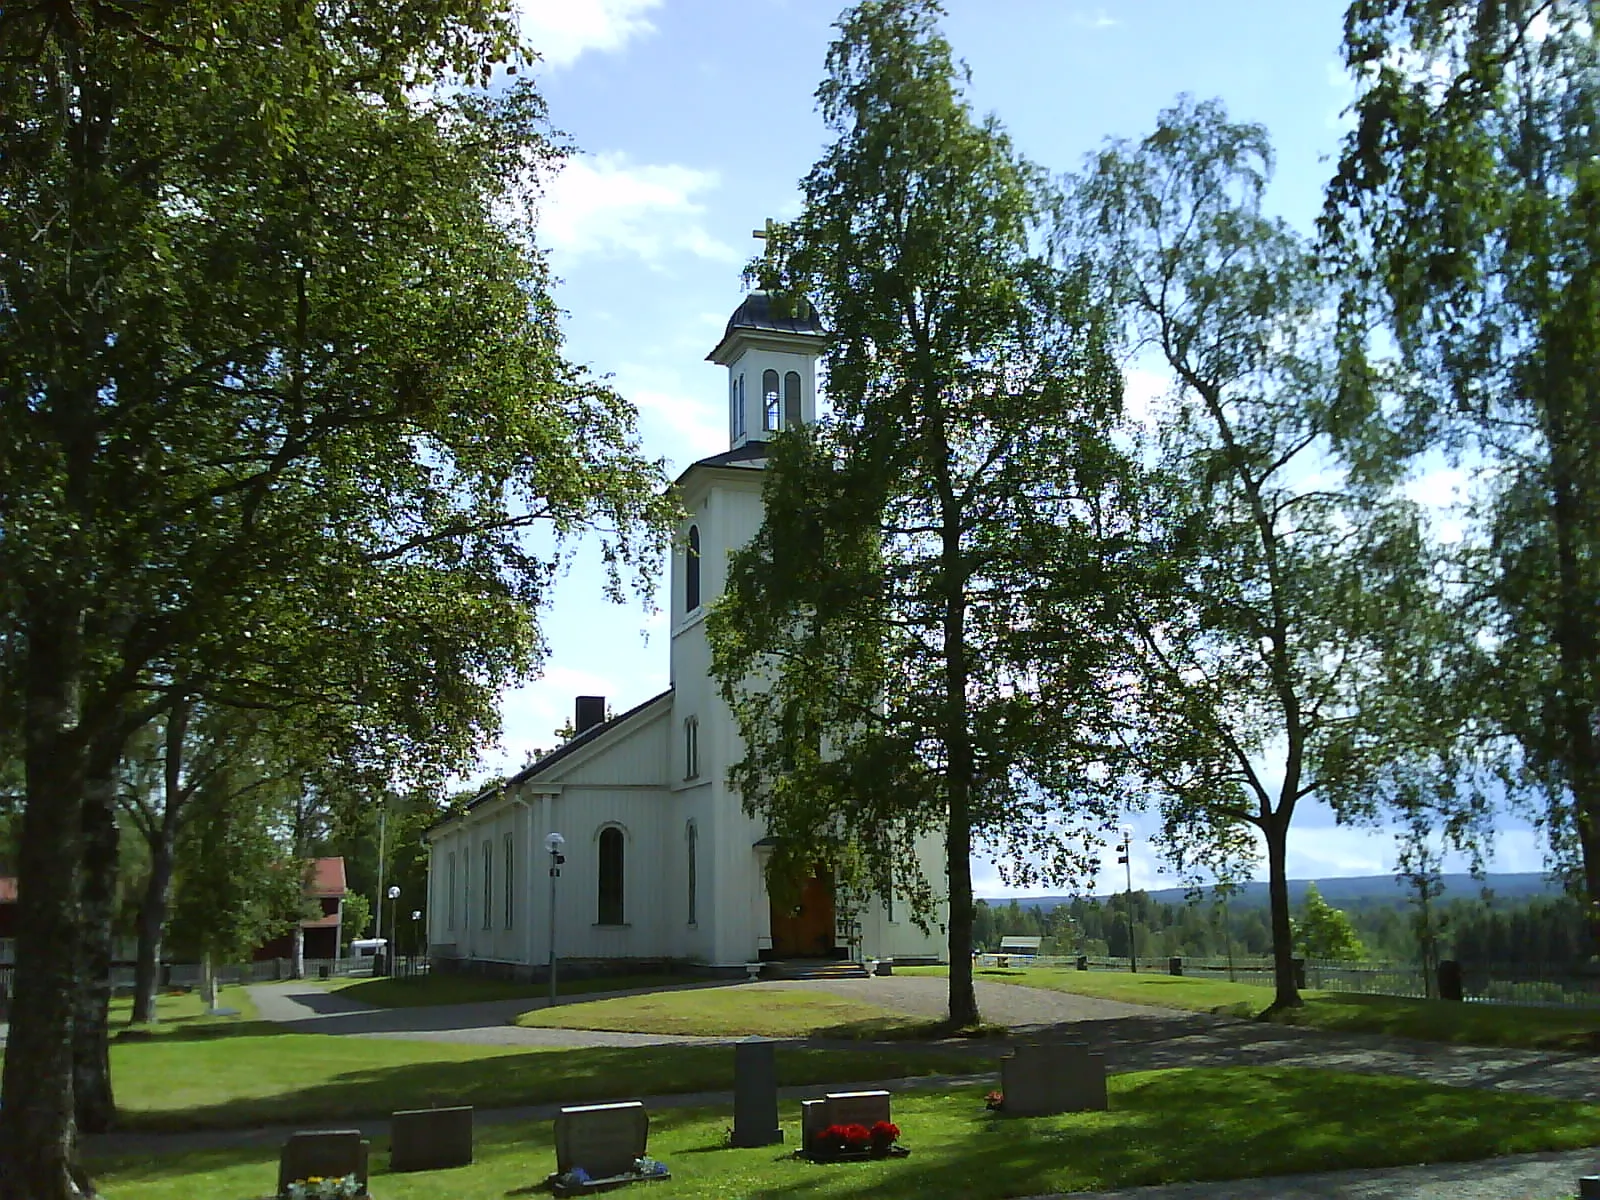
pixel 994 1101
pixel 883 1135
pixel 857 1139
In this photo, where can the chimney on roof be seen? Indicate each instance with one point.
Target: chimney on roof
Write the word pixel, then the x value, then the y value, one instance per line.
pixel 591 712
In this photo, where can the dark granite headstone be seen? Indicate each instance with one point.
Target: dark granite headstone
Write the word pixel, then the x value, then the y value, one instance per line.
pixel 329 1153
pixel 1055 1077
pixel 603 1139
pixel 430 1139
pixel 755 1093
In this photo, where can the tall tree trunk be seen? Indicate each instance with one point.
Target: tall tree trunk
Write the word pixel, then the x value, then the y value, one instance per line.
pixel 208 982
pixel 91 1054
pixel 1287 994
pixel 38 1138
pixel 152 920
pixel 163 853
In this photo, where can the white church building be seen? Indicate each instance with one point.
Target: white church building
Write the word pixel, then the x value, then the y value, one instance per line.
pixel 661 863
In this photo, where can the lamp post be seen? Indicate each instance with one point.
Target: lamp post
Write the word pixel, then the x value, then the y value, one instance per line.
pixel 1125 857
pixel 394 928
pixel 553 843
pixel 416 937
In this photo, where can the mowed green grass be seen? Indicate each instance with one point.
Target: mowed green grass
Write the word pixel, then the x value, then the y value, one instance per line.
pixel 184 1012
pixel 205 1081
pixel 1163 1126
pixel 422 990
pixel 1526 1027
pixel 733 1011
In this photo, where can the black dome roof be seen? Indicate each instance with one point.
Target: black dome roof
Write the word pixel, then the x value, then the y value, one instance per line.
pixel 761 310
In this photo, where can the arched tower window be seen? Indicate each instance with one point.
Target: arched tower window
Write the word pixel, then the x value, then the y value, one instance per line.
pixel 693 838
pixel 769 400
pixel 691 572
pixel 791 400
pixel 610 876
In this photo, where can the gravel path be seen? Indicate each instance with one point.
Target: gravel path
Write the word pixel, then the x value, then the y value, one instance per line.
pixel 312 1009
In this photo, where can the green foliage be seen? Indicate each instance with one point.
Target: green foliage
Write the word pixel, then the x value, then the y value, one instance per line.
pixel 357 916
pixel 1323 931
pixel 914 640
pixel 237 884
pixel 1463 219
pixel 1296 608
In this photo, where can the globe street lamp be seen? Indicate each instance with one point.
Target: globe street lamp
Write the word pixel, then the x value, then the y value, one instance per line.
pixel 394 928
pixel 553 843
pixel 1125 857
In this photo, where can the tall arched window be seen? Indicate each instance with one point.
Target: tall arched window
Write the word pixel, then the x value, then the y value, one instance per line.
pixel 693 838
pixel 450 890
pixel 791 400
pixel 610 876
pixel 769 400
pixel 488 885
pixel 691 572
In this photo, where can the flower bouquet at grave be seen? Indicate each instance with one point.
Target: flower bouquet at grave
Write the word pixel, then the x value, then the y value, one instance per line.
pixel 319 1187
pixel 838 1142
pixel 994 1101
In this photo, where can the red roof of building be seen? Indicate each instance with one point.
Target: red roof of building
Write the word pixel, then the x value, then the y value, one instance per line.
pixel 327 877
pixel 327 922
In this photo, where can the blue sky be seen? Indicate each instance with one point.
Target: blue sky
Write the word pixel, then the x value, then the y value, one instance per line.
pixel 694 121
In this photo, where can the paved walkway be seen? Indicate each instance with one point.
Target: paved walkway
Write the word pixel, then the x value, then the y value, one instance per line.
pixel 313 1009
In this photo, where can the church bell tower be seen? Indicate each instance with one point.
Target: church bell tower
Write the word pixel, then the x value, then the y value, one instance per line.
pixel 770 348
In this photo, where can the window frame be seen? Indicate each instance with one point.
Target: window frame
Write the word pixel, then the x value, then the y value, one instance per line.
pixel 691 572
pixel 771 401
pixel 793 395
pixel 692 836
pixel 611 902
pixel 488 883
pixel 691 748
pixel 450 888
pixel 510 873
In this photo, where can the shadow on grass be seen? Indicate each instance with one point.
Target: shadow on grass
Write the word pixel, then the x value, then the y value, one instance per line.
pixel 534 1078
pixel 192 1029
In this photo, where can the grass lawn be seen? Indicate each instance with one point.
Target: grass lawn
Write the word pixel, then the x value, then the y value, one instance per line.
pixel 734 1012
pixel 209 1082
pixel 1345 1012
pixel 419 990
pixel 1163 1126
pixel 183 1012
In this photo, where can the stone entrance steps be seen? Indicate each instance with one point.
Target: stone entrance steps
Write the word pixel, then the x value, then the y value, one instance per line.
pixel 813 968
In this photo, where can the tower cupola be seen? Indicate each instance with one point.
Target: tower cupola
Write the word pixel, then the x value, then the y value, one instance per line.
pixel 770 348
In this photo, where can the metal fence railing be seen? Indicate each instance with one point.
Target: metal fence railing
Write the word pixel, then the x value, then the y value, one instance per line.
pixel 1479 983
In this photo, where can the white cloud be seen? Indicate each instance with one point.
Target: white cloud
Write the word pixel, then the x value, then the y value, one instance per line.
pixel 1096 20
pixel 607 207
pixel 561 30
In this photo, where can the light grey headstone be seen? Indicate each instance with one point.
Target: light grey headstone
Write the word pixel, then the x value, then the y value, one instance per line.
pixel 856 1108
pixel 1055 1077
pixel 333 1152
pixel 430 1139
pixel 755 1093
pixel 603 1139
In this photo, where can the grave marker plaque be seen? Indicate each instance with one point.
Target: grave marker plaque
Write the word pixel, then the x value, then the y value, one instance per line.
pixel 430 1139
pixel 755 1093
pixel 1055 1077
pixel 603 1139
pixel 857 1108
pixel 329 1153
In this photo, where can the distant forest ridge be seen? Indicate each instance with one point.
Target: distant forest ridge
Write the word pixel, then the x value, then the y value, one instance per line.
pixel 1341 891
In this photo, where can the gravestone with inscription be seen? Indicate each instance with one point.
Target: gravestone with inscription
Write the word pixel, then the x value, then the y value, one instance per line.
pixel 1055 1077
pixel 430 1139
pixel 755 1093
pixel 600 1146
pixel 841 1108
pixel 332 1153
